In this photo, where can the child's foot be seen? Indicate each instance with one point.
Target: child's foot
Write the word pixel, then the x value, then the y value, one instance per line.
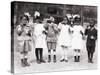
pixel 91 61
pixel 42 61
pixel 22 63
pixel 38 61
pixel 88 61
pixel 26 62
pixel 66 60
pixel 62 60
pixel 49 58
pixel 54 61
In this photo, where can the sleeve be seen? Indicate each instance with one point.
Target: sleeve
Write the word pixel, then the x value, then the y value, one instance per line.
pixel 30 31
pixel 59 26
pixel 19 30
pixel 82 30
pixel 46 26
pixel 70 29
pixel 95 35
pixel 55 27
pixel 86 31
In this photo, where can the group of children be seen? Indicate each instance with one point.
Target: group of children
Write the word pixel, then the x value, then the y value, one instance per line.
pixel 67 34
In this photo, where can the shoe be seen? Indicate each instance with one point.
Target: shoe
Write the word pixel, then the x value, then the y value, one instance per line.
pixel 49 58
pixel 66 60
pixel 42 61
pixel 26 63
pixel 91 61
pixel 75 60
pixel 78 59
pixel 38 61
pixel 54 59
pixel 22 63
pixel 62 60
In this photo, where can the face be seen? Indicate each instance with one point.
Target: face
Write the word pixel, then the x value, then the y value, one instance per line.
pixel 37 21
pixel 24 20
pixel 92 23
pixel 65 20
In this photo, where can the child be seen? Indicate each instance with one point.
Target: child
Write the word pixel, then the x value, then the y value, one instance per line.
pixel 39 40
pixel 51 29
pixel 91 33
pixel 24 39
pixel 77 38
pixel 64 38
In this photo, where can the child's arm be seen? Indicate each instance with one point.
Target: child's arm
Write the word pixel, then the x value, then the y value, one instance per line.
pixel 59 27
pixel 55 27
pixel 19 30
pixel 46 26
pixel 86 30
pixel 95 36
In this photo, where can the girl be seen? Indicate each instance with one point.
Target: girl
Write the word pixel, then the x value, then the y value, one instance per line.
pixel 77 38
pixel 39 41
pixel 51 30
pixel 64 38
pixel 24 39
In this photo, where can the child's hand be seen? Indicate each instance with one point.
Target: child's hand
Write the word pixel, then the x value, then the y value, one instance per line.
pixel 83 37
pixel 92 37
pixel 81 33
pixel 44 32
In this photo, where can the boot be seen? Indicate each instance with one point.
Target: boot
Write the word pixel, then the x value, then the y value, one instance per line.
pixel 38 61
pixel 22 63
pixel 49 58
pixel 91 61
pixel 78 59
pixel 75 60
pixel 62 60
pixel 54 58
pixel 25 62
pixel 42 61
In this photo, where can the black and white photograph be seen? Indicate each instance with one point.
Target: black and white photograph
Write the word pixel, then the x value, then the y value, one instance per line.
pixel 50 37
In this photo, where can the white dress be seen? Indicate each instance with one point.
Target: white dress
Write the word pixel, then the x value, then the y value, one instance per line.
pixel 39 36
pixel 77 41
pixel 64 36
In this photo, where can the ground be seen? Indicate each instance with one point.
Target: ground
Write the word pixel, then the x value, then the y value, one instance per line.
pixel 58 66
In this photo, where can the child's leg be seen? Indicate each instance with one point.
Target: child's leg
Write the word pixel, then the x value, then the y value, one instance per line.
pixel 75 55
pixel 62 54
pixel 25 54
pixel 78 55
pixel 49 51
pixel 37 54
pixel 65 51
pixel 22 60
pixel 89 53
pixel 26 59
pixel 54 51
pixel 41 55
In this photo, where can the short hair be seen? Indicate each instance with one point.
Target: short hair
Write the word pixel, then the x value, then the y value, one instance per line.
pixel 92 20
pixel 27 18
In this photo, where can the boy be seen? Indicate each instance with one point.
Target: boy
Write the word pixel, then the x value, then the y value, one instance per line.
pixel 91 33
